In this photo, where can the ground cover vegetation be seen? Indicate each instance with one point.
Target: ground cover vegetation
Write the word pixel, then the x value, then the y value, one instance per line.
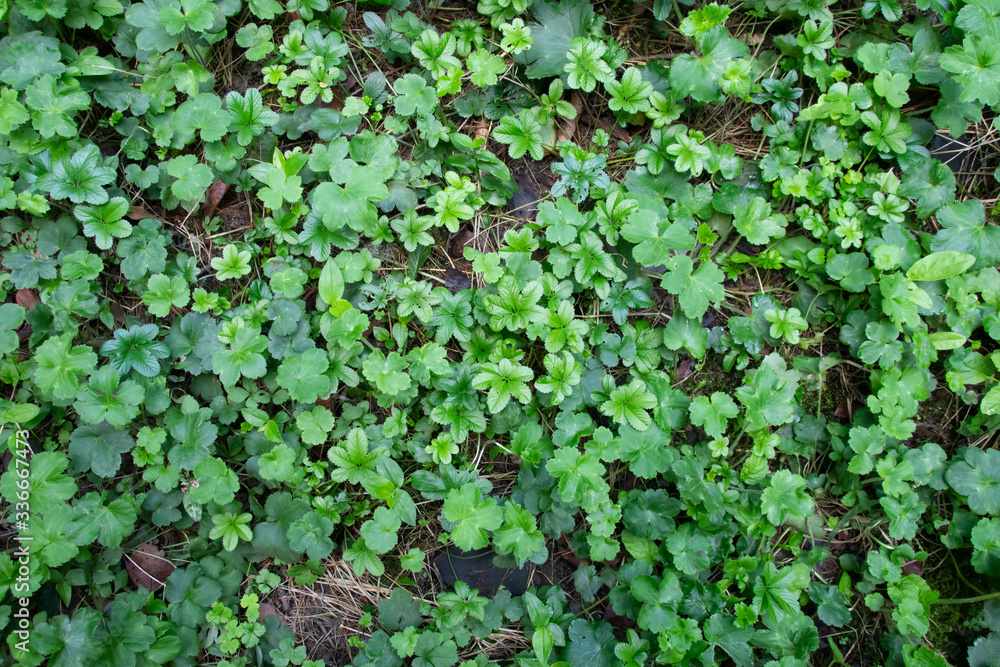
pixel 697 302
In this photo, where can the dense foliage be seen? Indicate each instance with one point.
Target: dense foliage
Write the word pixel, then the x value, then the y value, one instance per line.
pixel 277 292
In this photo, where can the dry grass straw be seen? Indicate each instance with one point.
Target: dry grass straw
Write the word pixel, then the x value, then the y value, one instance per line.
pixel 327 613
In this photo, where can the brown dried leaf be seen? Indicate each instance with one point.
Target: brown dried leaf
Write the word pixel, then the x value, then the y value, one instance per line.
pixel 139 213
pixel 456 280
pixel 27 298
pixel 464 238
pixel 481 131
pixel 337 103
pixel 148 566
pixel 566 128
pixel 216 191
pixel 268 609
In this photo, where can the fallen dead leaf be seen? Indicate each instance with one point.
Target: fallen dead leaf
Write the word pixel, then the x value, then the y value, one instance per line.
pixel 138 213
pixel 27 298
pixel 565 128
pixel 481 132
pixel 148 566
pixel 216 191
pixel 456 280
pixel 268 609
pixel 337 103
pixel 466 238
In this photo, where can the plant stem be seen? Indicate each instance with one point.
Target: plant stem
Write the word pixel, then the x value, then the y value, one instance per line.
pixel 978 598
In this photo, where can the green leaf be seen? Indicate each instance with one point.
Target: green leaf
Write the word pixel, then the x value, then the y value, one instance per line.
pixel 79 177
pixel 234 263
pixel 976 65
pixel 979 18
pixel 109 524
pixel 931 183
pixel 851 270
pixel 54 106
pixel 280 187
pixel 965 231
pixel 522 134
pixel 250 116
pixel 831 606
pixel 278 464
pixel 414 96
pixel 647 451
pixel 978 478
pixel 353 204
pixel 757 223
pixel 691 549
pixel 315 424
pixel 12 112
pixel 311 535
pixel 380 532
pixel 163 292
pixel 629 404
pixel 48 485
pixel 913 598
pixel 940 265
pixel 257 41
pixel 473 516
pixel 659 598
pixel 631 94
pixel 11 317
pixel 331 283
pixel 484 68
pixel 203 113
pixel 135 348
pixel 888 131
pixel 108 398
pixel 59 363
pixel 786 498
pixel 698 76
pixel 696 289
pixel 892 87
pixel 386 372
pixel 105 223
pixel 433 650
pixel 192 178
pixel 303 376
pixel 770 396
pixel 951 112
pixel 774 592
pixel 503 380
pixel 986 546
pixel 400 610
pixel 70 642
pixel 197 15
pixel 216 483
pixel 579 474
pixel 241 358
pixel 557 25
pixel 562 221
pixel 231 528
pixel 519 535
pixel 352 460
pixel 585 64
pixel 99 448
pixel 713 413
